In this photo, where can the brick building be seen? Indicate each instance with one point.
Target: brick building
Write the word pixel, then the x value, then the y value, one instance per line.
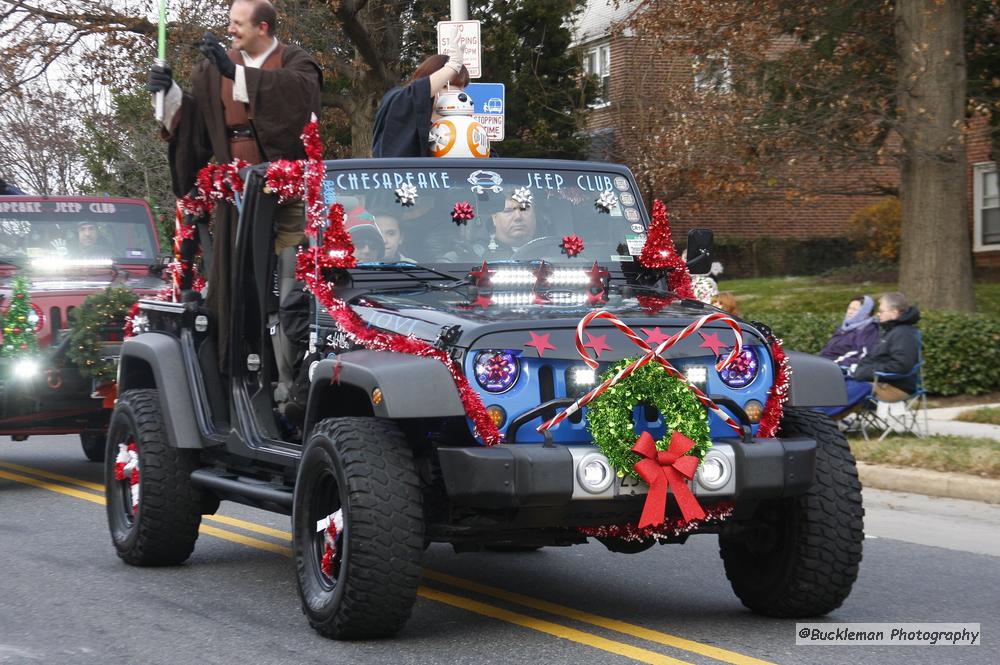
pixel 768 234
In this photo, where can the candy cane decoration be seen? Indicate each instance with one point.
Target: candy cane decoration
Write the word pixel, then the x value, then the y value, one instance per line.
pixel 127 467
pixel 650 354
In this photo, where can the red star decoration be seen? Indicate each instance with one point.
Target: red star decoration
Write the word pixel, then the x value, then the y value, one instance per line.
pixel 711 342
pixel 598 344
pixel 654 337
pixel 483 301
pixel 541 274
pixel 540 343
pixel 597 275
pixel 482 276
pixel 596 298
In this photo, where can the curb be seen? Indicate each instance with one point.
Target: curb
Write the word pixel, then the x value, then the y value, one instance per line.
pixel 933 483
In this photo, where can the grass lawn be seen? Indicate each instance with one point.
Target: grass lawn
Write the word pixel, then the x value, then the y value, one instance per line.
pixel 987 415
pixel 814 294
pixel 980 457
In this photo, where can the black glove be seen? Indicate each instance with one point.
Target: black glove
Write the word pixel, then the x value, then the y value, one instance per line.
pixel 214 53
pixel 160 79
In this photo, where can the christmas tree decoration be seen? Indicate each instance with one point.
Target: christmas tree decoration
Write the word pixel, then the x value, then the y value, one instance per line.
pixel 522 196
pixel 98 320
pixel 571 245
pixel 462 212
pixel 19 337
pixel 606 202
pixel 406 194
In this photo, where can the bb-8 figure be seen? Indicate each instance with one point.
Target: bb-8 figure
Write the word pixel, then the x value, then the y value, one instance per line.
pixel 456 133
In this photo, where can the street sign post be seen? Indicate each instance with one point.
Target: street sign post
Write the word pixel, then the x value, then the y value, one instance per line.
pixel 466 32
pixel 490 106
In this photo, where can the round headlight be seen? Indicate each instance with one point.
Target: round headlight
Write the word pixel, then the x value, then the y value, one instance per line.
pixel 741 372
pixel 497 371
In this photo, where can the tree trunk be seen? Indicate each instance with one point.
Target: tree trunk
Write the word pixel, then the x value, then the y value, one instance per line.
pixel 366 97
pixel 936 257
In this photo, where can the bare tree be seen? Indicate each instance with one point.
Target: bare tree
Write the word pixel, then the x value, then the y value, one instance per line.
pixel 40 148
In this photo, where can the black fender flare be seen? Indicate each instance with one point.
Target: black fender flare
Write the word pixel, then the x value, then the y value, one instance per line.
pixel 411 386
pixel 815 381
pixel 155 360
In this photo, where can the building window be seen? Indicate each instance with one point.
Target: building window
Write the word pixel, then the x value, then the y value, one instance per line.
pixel 597 62
pixel 712 73
pixel 986 197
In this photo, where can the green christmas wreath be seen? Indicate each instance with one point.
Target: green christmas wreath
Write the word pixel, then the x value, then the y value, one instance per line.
pixel 609 415
pixel 93 317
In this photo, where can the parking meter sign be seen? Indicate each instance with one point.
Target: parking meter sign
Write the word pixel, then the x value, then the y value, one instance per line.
pixel 466 32
pixel 489 102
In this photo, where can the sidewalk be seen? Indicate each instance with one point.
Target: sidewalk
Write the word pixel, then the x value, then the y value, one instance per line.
pixel 940 421
pixel 937 483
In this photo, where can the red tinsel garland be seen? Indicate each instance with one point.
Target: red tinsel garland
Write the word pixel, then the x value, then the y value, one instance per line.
pixel 659 252
pixel 215 182
pixel 777 394
pixel 314 172
pixel 285 178
pixel 669 528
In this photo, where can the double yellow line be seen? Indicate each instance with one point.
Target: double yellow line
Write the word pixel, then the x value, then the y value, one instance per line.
pixel 94 492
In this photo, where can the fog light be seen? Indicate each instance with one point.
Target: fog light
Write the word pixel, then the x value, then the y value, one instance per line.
pixel 25 369
pixel 754 410
pixel 697 375
pixel 715 472
pixel 594 473
pixel 497 415
pixel 584 376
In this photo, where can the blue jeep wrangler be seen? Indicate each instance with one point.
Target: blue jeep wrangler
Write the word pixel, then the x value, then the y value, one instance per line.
pixel 374 455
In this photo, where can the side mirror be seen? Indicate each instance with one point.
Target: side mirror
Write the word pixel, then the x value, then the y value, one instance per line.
pixel 699 251
pixel 162 261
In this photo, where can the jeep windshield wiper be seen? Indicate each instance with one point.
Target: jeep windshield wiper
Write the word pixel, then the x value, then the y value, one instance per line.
pixel 406 266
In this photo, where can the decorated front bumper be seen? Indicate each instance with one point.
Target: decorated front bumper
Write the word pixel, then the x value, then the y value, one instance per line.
pixel 533 475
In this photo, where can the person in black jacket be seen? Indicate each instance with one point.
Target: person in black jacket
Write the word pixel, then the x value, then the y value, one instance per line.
pixel 404 117
pixel 897 352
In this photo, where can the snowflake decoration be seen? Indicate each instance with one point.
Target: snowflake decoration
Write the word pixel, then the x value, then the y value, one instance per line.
pixel 523 197
pixel 606 201
pixel 406 194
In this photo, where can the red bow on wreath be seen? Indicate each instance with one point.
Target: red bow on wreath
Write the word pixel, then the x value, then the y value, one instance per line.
pixel 667 469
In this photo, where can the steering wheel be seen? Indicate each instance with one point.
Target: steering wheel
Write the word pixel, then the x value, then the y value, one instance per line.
pixel 533 249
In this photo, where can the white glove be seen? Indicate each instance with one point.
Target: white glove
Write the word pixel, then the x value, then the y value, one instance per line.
pixel 456 55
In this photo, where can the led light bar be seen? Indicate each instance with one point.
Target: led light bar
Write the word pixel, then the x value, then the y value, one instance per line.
pixel 58 263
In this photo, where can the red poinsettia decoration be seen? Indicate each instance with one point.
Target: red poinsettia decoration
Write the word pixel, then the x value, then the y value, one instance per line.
pixel 462 212
pixel 572 245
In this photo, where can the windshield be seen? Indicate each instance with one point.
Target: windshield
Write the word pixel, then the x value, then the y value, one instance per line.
pixel 512 214
pixel 47 233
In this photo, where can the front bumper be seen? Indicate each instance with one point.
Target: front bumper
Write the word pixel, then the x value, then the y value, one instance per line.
pixel 534 475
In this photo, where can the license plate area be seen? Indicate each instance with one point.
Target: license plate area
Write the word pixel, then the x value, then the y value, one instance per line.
pixel 629 485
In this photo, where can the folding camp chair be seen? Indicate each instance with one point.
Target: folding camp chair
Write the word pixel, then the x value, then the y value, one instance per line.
pixel 905 416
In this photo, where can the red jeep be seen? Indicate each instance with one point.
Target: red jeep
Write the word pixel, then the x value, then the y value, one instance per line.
pixel 68 248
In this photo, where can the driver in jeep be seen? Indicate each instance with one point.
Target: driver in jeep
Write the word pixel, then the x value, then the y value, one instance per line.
pixel 513 228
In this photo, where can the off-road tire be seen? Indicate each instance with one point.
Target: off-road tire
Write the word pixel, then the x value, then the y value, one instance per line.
pixel 94 445
pixel 364 467
pixel 806 560
pixel 165 528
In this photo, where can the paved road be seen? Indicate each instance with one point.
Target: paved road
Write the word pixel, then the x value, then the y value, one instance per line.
pixel 66 598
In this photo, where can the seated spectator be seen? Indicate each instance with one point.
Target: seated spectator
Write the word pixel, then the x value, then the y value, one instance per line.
pixel 726 301
pixel 897 352
pixel 857 335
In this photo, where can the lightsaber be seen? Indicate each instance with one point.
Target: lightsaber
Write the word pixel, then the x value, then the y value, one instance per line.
pixel 161 57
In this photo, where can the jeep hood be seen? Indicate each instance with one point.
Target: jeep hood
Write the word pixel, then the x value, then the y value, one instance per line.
pixel 426 313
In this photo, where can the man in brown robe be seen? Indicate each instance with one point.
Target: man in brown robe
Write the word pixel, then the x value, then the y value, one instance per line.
pixel 251 103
